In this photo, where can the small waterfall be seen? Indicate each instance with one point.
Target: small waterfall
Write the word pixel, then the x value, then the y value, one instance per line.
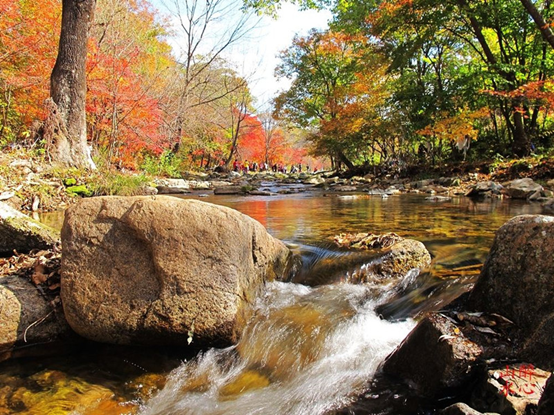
pixel 306 351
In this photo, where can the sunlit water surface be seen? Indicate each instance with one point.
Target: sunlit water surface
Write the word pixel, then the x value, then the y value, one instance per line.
pixel 307 350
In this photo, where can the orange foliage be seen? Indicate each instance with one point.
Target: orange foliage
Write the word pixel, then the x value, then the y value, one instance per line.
pixel 458 128
pixel 29 32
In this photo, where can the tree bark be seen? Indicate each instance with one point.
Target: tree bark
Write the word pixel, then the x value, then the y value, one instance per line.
pixel 521 144
pixel 539 21
pixel 65 127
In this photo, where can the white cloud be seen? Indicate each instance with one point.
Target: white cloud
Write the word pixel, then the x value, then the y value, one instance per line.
pixel 258 56
pixel 255 56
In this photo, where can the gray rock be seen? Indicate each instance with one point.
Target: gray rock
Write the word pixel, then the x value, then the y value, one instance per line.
pixel 21 233
pixel 162 270
pixel 230 190
pixel 522 188
pixel 173 186
pixel 345 188
pixel 484 189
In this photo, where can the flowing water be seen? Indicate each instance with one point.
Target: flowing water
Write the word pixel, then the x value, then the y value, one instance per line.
pixel 307 350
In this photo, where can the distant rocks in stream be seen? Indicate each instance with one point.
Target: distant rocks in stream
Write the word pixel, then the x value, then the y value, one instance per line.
pixel 163 271
pixel 493 348
pixel 372 260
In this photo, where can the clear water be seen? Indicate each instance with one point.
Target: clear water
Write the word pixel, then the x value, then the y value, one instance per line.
pixel 307 350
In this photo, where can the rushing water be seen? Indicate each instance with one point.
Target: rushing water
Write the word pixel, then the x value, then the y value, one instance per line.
pixel 307 350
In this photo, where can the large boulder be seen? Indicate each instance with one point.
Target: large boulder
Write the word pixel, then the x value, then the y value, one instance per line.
pixel 517 282
pixel 21 233
pixel 162 270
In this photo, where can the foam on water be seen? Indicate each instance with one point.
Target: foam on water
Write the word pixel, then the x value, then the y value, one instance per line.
pixel 306 351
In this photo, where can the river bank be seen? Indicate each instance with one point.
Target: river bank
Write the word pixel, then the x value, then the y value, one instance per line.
pixel 457 233
pixel 31 185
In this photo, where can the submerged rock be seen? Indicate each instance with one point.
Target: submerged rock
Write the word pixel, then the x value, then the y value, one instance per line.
pixel 375 259
pixel 163 271
pixel 21 233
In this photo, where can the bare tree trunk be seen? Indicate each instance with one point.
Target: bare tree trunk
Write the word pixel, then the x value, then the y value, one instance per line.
pixel 65 127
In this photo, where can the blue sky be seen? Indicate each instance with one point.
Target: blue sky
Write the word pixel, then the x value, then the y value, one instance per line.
pixel 255 56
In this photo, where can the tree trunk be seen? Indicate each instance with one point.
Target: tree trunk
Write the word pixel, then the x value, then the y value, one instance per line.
pixel 65 126
pixel 521 144
pixel 342 158
pixel 539 21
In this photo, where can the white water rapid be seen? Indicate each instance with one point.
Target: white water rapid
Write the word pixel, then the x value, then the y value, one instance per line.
pixel 306 351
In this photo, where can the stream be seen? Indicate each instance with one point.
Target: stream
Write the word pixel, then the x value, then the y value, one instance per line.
pixel 307 350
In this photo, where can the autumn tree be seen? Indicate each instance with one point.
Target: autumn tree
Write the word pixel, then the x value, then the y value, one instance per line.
pixel 201 45
pixel 27 54
pixel 128 72
pixel 65 127
pixel 337 84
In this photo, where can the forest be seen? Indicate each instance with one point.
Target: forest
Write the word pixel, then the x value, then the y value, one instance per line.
pixel 410 82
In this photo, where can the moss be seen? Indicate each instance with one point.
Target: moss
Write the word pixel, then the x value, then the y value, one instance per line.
pixel 80 190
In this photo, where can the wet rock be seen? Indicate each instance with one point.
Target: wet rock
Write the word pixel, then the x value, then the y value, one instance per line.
pixel 434 358
pixel 513 389
pixel 376 192
pixel 392 190
pixel 21 233
pixel 32 322
pixel 459 409
pixel 522 188
pixel 162 270
pixel 376 260
pixel 345 188
pixel 516 281
pixel 485 189
pixel 546 403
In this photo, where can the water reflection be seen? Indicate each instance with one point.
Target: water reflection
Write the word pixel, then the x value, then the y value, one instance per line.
pixel 310 349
